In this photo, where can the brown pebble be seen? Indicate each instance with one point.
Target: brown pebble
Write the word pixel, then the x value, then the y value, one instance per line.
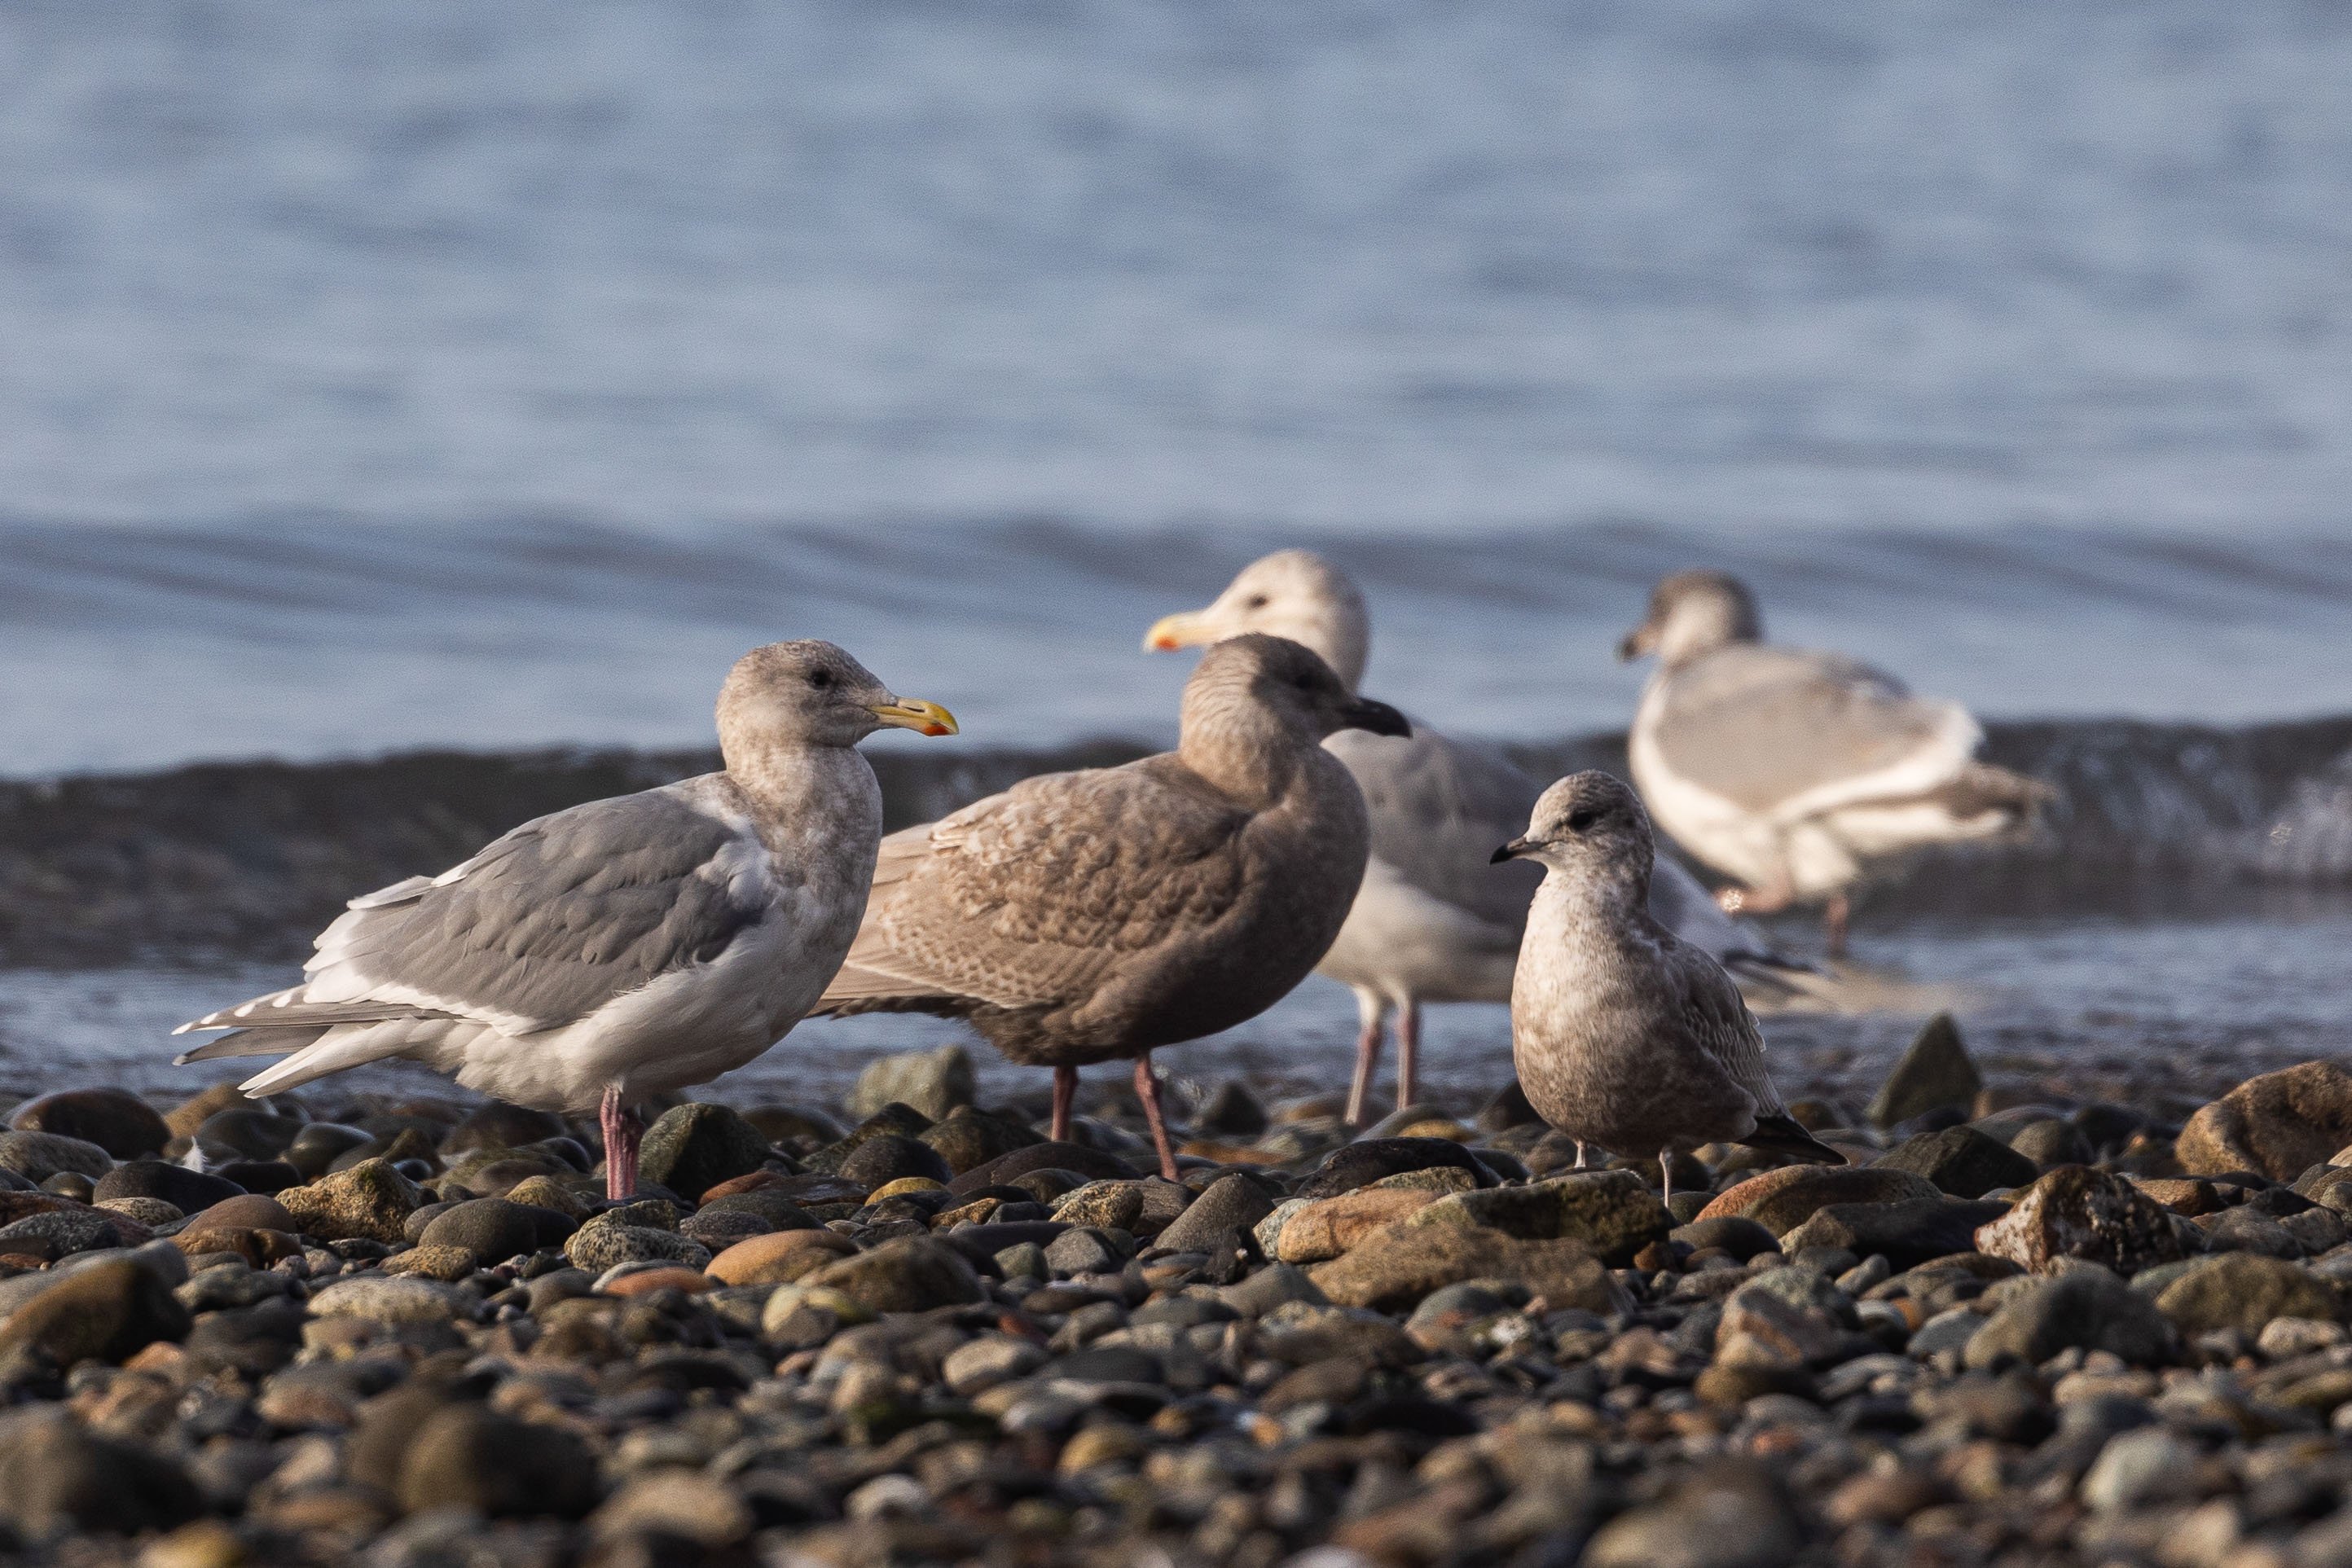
pixel 691 1281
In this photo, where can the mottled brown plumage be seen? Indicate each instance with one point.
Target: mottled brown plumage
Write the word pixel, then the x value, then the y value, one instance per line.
pixel 1625 1036
pixel 1080 917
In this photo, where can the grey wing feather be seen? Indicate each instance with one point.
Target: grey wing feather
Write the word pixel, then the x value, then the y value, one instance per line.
pixel 1030 898
pixel 1718 1016
pixel 1438 807
pixel 544 926
pixel 1760 725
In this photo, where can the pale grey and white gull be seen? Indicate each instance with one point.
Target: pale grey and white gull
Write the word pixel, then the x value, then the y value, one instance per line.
pixel 1092 915
pixel 621 949
pixel 1794 770
pixel 1434 922
pixel 1624 1035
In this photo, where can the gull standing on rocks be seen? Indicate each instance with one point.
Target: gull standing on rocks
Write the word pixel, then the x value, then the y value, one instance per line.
pixel 1434 922
pixel 1791 769
pixel 1079 917
pixel 1625 1036
pixel 624 947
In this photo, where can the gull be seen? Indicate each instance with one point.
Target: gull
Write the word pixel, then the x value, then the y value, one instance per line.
pixel 1792 770
pixel 1434 922
pixel 621 949
pixel 1091 915
pixel 1624 1035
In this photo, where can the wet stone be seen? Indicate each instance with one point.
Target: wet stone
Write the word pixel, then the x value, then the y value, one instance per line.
pixel 890 1156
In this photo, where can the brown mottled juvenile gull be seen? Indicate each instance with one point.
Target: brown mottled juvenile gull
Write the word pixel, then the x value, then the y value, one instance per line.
pixel 624 947
pixel 1624 1035
pixel 1434 922
pixel 1080 917
pixel 1790 769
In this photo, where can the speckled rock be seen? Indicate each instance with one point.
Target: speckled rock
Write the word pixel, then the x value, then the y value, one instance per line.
pixel 1324 1228
pixel 604 1242
pixel 64 1232
pixel 392 1299
pixel 2278 1125
pixel 2245 1291
pixel 1612 1212
pixel 370 1201
pixel 2078 1212
pixel 1730 1514
pixel 1398 1265
pixel 911 1274
pixel 1144 1208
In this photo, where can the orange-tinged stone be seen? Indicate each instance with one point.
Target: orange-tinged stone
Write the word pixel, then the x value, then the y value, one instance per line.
pixel 778 1258
pixel 692 1281
pixel 753 1181
pixel 1329 1228
pixel 1782 1199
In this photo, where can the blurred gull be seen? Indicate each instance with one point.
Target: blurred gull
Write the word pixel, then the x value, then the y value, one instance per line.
pixel 1791 769
pixel 1080 917
pixel 1435 923
pixel 621 949
pixel 1625 1036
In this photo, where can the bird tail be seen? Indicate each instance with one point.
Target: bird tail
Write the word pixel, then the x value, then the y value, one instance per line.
pixel 1981 789
pixel 1779 1133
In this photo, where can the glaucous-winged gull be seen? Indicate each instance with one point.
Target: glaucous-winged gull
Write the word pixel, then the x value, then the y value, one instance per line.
pixel 1792 770
pixel 1624 1035
pixel 1085 916
pixel 1434 922
pixel 624 947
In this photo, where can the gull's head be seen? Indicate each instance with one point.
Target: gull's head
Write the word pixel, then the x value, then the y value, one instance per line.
pixel 1292 593
pixel 1243 681
pixel 1589 822
pixel 813 693
pixel 1691 613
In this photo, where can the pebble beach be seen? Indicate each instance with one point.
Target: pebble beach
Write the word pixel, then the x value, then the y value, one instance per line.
pixel 907 1329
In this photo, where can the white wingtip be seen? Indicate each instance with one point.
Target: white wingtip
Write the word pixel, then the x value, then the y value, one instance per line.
pixel 183 1029
pixel 182 1060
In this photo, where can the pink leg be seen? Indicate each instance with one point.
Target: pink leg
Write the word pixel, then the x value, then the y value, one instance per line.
pixel 1833 920
pixel 620 1145
pixel 1367 1055
pixel 1408 1033
pixel 1066 1091
pixel 1147 1089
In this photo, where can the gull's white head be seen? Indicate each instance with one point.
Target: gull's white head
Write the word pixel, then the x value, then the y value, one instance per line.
pixel 812 694
pixel 1694 613
pixel 1292 593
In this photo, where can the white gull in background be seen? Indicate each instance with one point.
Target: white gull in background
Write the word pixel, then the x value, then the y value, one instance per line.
pixel 1792 770
pixel 1624 1035
pixel 624 947
pixel 1434 921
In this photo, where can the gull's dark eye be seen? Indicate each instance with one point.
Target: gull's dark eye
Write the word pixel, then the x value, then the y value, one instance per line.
pixel 1254 602
pixel 820 679
pixel 1580 820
